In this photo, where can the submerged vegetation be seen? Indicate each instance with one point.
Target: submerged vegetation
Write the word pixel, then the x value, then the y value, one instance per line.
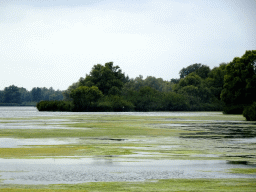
pixel 195 136
pixel 199 185
pixel 129 138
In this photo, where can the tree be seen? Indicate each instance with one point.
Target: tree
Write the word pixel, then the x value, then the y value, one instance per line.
pixel 240 83
pixel 201 70
pixel 25 95
pixel 157 83
pixel 194 88
pixel 250 112
pixel 114 103
pixel 215 81
pixel 56 96
pixel 149 99
pixel 105 77
pixel 1 96
pixel 12 95
pixel 66 93
pixel 134 84
pixel 36 94
pixel 175 81
pixel 174 102
pixel 191 79
pixel 84 97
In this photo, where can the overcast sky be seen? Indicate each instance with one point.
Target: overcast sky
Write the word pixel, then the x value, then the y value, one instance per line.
pixel 52 43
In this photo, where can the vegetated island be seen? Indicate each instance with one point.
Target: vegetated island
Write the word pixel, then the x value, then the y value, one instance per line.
pixel 230 87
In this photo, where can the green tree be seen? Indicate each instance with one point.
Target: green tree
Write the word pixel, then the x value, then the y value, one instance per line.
pixel 134 84
pixel 240 83
pixel 66 93
pixel 12 95
pixel 1 96
pixel 175 81
pixel 198 68
pixel 85 97
pixel 174 102
pixel 203 71
pixel 105 77
pixel 215 81
pixel 36 94
pixel 56 96
pixel 250 112
pixel 157 83
pixel 149 99
pixel 198 95
pixel 25 95
pixel 114 103
pixel 191 79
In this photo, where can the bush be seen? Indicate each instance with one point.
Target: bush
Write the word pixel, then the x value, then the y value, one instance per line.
pixel 234 109
pixel 54 106
pixel 105 106
pixel 114 103
pixel 250 112
pixel 174 102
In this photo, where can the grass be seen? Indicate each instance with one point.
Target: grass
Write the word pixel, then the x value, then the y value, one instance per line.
pixel 243 171
pixel 195 185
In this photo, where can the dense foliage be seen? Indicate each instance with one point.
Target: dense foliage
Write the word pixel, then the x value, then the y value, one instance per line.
pixel 106 88
pixel 13 95
pixel 85 98
pixel 109 79
pixel 250 112
pixel 54 106
pixel 227 87
pixel 239 88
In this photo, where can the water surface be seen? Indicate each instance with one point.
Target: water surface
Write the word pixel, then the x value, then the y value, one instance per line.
pixel 210 141
pixel 57 171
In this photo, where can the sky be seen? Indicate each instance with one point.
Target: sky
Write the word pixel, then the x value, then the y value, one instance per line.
pixel 52 43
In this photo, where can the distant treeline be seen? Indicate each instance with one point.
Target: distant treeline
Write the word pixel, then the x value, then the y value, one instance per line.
pixel 19 96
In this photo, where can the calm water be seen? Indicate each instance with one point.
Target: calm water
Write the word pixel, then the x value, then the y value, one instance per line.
pixel 14 112
pixel 67 170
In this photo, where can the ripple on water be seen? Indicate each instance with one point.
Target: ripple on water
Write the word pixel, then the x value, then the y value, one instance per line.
pixel 56 171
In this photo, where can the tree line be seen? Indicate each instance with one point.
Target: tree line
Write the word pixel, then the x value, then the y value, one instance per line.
pixel 229 87
pixel 15 96
pixel 107 88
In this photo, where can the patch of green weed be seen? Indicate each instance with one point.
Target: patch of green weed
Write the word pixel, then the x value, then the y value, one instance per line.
pixel 199 185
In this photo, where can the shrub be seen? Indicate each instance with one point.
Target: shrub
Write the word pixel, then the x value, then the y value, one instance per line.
pixel 234 109
pixel 54 106
pixel 250 112
pixel 115 103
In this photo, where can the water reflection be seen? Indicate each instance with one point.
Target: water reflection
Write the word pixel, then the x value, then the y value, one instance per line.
pixel 220 130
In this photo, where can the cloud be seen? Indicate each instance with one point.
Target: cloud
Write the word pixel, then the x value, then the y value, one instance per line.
pixel 56 45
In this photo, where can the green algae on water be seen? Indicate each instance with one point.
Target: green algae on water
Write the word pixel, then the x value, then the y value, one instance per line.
pixel 166 185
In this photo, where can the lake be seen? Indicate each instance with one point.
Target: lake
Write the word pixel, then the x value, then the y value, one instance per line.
pixel 78 147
